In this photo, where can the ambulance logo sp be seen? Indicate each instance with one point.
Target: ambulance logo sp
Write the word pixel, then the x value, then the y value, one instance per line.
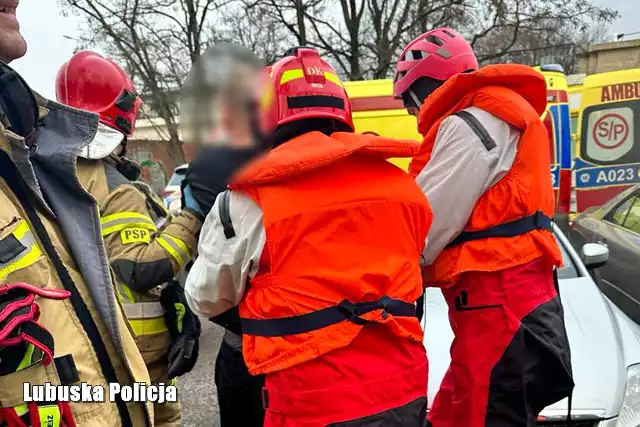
pixel 585 178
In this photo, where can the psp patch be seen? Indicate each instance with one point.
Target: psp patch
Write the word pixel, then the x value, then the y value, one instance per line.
pixel 135 235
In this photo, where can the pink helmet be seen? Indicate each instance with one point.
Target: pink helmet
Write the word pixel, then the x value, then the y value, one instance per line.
pixel 439 54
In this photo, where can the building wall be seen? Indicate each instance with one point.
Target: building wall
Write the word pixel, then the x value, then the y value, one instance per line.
pixel 605 57
pixel 148 147
pixel 157 165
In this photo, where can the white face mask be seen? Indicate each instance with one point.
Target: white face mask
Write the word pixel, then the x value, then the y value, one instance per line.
pixel 106 140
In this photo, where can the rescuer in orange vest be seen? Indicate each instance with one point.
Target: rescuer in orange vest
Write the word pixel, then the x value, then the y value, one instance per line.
pixel 319 244
pixel 484 166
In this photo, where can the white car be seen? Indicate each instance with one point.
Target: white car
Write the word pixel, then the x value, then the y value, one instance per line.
pixel 172 192
pixel 173 186
pixel 605 347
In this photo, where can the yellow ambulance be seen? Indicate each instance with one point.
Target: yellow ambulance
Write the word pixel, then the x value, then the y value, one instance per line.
pixel 608 151
pixel 375 110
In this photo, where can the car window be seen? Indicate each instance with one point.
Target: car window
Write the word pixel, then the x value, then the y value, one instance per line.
pixel 568 269
pixel 178 176
pixel 632 219
pixel 619 215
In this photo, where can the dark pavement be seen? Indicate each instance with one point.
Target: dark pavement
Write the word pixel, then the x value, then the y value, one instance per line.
pixel 197 389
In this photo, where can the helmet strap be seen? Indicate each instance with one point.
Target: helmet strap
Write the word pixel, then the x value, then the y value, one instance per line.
pixel 415 98
pixel 123 153
pixel 128 168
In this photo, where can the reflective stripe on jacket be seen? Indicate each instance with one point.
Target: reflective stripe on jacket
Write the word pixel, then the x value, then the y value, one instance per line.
pixel 89 328
pixel 341 223
pixel 517 95
pixel 142 255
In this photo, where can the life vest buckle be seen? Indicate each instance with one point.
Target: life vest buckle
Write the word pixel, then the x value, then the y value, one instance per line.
pixel 351 312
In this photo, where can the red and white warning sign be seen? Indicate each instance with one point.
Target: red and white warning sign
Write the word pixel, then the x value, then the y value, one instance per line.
pixel 610 134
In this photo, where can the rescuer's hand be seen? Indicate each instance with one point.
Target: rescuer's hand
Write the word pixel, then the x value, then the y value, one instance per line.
pixel 189 201
pixel 184 327
pixel 26 345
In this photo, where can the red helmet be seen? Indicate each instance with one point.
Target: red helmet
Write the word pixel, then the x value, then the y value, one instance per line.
pixel 90 82
pixel 439 54
pixel 307 87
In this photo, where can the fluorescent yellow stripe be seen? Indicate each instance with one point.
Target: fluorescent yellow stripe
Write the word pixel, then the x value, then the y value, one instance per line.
pixel 49 415
pixel 148 326
pixel 127 293
pixel 167 247
pixel 289 75
pixel 166 241
pixel 333 78
pixel 25 261
pixel 180 311
pixel 26 360
pixel 180 244
pixel 126 216
pixel 21 230
pixel 122 220
pixel 21 409
pixel 120 227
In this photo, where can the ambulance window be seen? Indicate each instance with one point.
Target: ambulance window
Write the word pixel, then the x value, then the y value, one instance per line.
pixel 608 133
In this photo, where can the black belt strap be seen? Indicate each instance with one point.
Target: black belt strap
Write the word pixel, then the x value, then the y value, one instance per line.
pixel 319 319
pixel 230 320
pixel 10 173
pixel 537 221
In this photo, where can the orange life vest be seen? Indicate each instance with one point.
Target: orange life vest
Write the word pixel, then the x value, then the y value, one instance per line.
pixel 517 95
pixel 341 223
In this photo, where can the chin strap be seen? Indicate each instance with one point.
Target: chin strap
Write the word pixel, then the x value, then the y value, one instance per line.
pixel 415 98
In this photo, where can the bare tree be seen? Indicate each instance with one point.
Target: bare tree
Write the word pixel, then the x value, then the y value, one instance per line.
pixel 157 41
pixel 253 26
pixel 396 22
pixel 363 37
pixel 498 27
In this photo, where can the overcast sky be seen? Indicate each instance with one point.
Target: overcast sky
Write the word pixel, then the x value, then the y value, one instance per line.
pixel 45 29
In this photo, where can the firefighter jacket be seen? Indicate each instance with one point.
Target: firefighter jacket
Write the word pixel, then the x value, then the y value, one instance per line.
pixel 145 246
pixel 50 237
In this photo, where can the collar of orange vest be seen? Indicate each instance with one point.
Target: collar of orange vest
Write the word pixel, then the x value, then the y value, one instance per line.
pixel 314 150
pixel 521 79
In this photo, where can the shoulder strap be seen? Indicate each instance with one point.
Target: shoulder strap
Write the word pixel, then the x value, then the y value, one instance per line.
pixel 114 177
pixel 225 217
pixel 477 128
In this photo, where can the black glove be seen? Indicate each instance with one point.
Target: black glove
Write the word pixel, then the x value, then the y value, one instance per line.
pixel 184 328
pixel 210 172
